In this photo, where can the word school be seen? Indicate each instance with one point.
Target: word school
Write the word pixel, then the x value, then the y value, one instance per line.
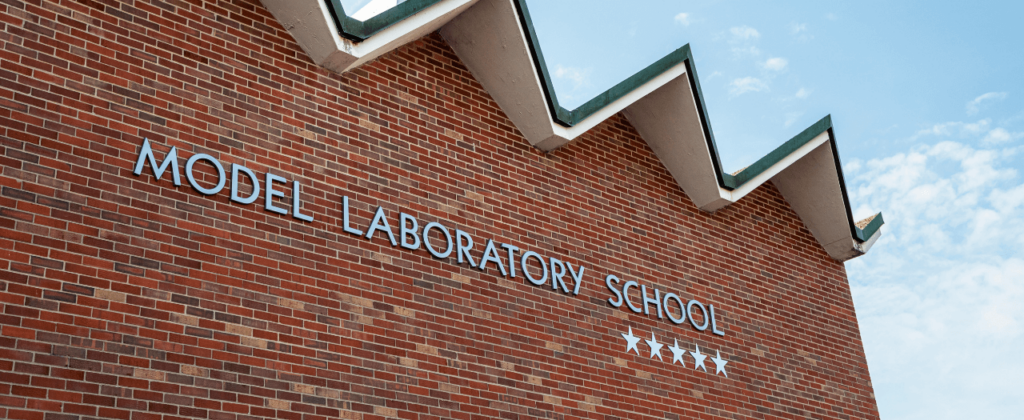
pixel 412 238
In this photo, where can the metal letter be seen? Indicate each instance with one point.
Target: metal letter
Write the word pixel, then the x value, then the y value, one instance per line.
pixel 235 169
pixel 714 325
pixel 297 203
pixel 511 258
pixel 170 160
pixel 192 179
pixel 576 277
pixel 682 310
pixel 345 218
pixel 625 293
pixel 463 250
pixel 556 275
pixel 647 301
pixel 381 222
pixel 703 310
pixel 447 236
pixel 271 193
pixel 406 233
pixel 608 281
pixel 491 254
pixel 522 263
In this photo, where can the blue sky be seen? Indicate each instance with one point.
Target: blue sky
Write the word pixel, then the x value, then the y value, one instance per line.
pixel 928 104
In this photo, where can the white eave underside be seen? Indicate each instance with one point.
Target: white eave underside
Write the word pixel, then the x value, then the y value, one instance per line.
pixel 489 39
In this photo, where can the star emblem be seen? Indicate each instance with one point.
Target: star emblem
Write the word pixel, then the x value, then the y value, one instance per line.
pixel 698 359
pixel 655 347
pixel 719 364
pixel 678 353
pixel 631 341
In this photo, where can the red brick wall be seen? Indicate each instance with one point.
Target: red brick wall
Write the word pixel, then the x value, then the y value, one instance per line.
pixel 125 297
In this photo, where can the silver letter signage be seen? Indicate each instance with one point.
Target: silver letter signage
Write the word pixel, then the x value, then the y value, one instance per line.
pixel 235 169
pixel 171 160
pixel 665 305
pixel 192 178
pixel 410 237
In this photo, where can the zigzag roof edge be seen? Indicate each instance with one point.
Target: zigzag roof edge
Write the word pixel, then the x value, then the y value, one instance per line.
pixel 496 40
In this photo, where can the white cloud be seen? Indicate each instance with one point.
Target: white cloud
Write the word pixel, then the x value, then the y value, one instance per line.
pixel 957 128
pixel 743 40
pixel 683 19
pixel 746 84
pixel 1000 135
pixel 799 31
pixel 964 130
pixel 579 77
pixel 792 117
pixel 853 166
pixel 831 16
pixel 974 105
pixel 572 84
pixel 938 296
pixel 743 33
pixel 947 340
pixel 776 64
pixel 802 93
pixel 750 51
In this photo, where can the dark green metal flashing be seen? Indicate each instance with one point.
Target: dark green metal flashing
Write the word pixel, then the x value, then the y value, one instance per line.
pixel 570 118
pixel 860 234
pixel 773 157
pixel 869 230
pixel 358 31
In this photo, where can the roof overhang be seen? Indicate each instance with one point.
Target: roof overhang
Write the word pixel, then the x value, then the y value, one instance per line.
pixel 340 43
pixel 496 41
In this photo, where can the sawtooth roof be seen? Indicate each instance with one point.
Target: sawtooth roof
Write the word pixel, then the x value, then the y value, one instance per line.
pixel 496 41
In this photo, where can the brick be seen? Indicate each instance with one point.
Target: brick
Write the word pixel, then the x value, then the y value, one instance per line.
pixel 127 297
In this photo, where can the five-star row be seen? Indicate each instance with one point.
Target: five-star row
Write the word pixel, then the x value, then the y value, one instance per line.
pixel 677 353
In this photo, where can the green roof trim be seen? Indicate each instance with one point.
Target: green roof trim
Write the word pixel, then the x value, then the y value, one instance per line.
pixel 684 55
pixel 358 31
pixel 569 118
pixel 869 230
pixel 773 157
pixel 823 125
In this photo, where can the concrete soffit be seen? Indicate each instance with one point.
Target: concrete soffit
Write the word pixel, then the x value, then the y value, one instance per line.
pixel 496 41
